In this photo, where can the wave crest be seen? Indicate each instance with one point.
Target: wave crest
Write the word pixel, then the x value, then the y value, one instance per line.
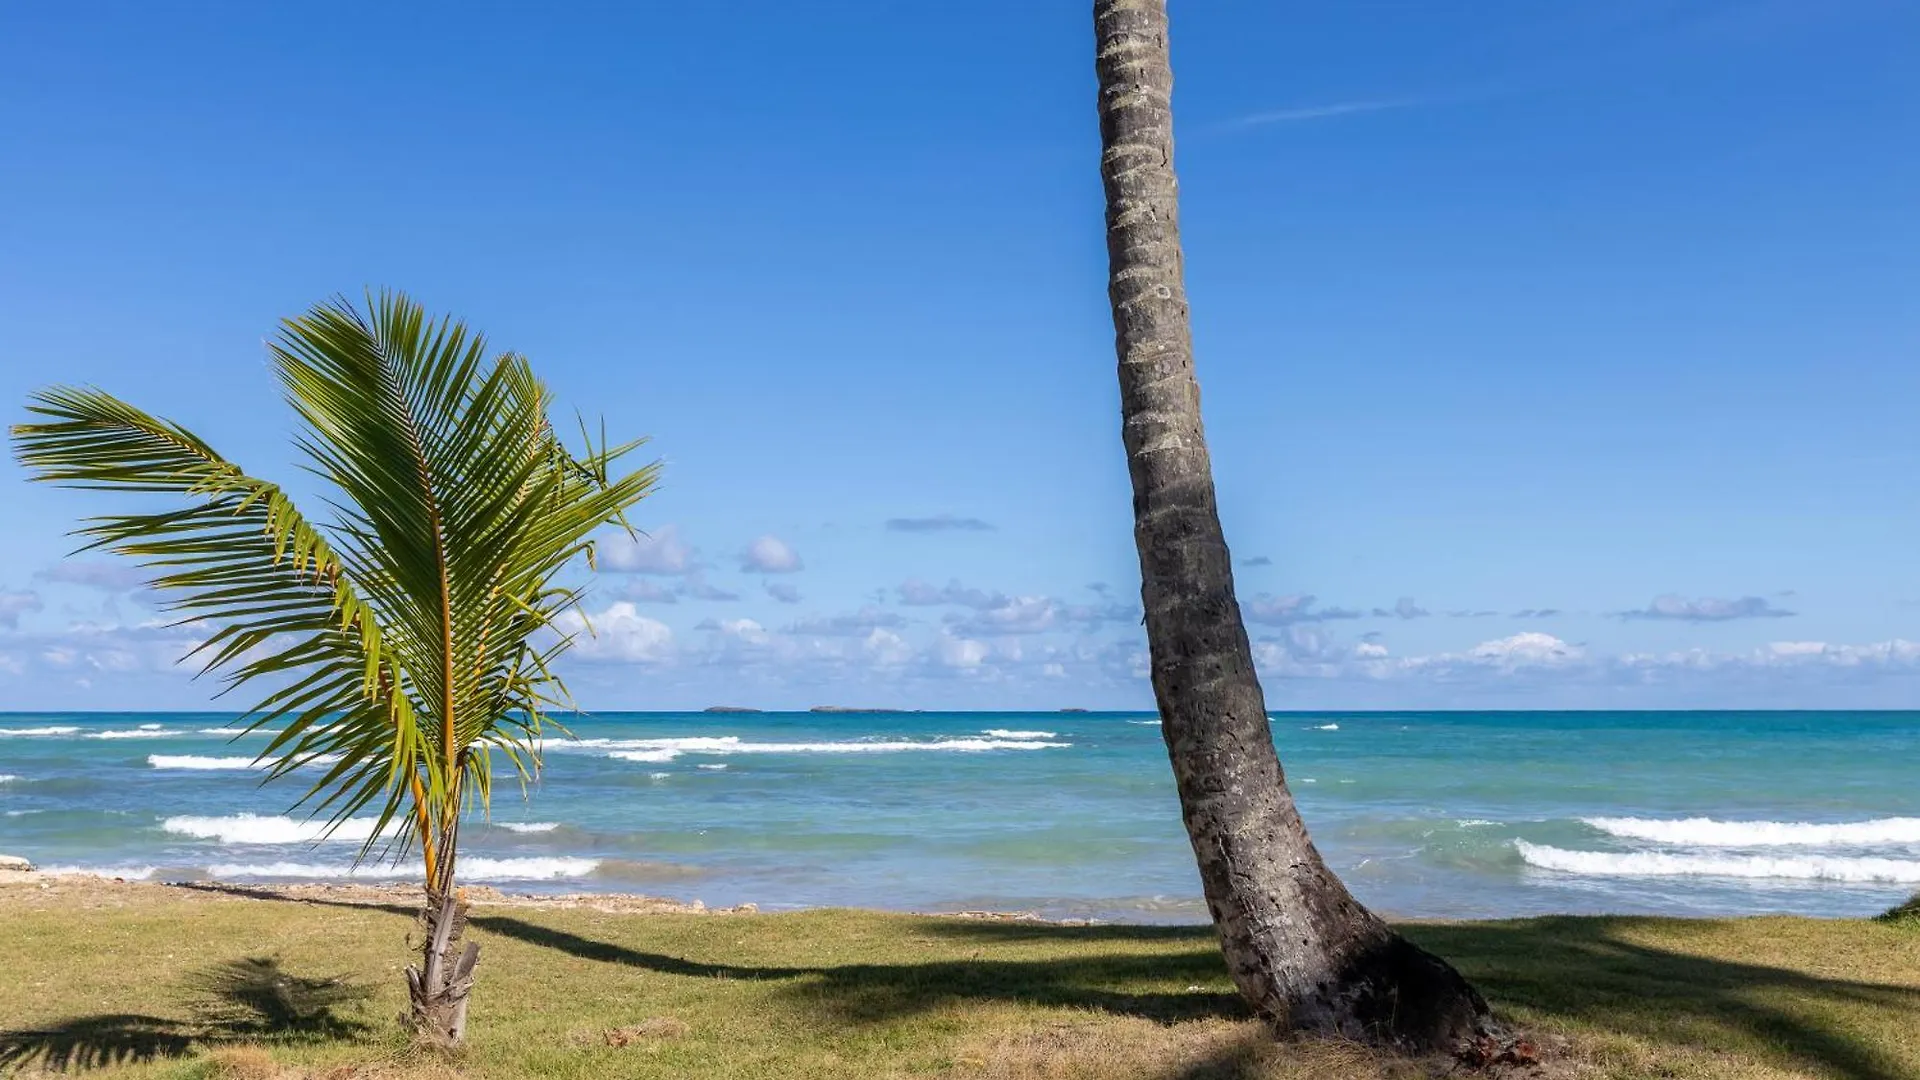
pixel 254 829
pixel 1709 832
pixel 1664 864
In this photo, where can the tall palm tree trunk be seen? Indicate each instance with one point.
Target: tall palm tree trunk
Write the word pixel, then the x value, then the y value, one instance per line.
pixel 1301 949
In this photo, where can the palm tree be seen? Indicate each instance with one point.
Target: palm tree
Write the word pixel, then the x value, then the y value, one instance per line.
pixel 397 645
pixel 1302 950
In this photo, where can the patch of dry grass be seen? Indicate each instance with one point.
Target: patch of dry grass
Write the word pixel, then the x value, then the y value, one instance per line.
pixel 576 993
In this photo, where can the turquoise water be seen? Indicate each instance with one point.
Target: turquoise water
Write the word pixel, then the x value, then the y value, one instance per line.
pixel 1064 814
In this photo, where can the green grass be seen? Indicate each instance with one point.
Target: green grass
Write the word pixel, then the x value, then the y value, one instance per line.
pixel 121 975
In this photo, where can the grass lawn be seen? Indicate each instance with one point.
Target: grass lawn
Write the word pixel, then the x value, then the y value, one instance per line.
pixel 118 981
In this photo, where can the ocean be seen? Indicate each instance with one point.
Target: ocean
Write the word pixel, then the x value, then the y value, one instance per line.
pixel 1452 814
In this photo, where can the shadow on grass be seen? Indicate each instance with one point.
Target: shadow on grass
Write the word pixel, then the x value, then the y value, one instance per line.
pixel 878 992
pixel 1575 973
pixel 1586 972
pixel 250 999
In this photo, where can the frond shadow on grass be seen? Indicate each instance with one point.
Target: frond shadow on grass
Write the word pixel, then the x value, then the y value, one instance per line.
pixel 1581 972
pixel 879 992
pixel 1588 972
pixel 1570 972
pixel 247 999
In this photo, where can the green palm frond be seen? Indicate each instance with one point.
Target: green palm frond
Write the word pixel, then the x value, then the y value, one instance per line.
pixel 413 633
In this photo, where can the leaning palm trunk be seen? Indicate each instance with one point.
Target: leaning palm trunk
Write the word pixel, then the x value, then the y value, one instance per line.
pixel 409 637
pixel 1301 949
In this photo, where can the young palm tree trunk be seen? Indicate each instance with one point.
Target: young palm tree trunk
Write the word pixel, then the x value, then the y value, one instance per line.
pixel 1300 948
pixel 438 989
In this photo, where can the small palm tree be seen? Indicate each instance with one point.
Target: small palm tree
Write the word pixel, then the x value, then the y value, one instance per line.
pixel 403 641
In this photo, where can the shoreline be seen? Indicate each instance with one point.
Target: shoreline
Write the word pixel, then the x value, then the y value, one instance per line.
pixel 395 894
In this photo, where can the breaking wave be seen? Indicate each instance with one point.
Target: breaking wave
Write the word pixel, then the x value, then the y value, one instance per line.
pixel 472 868
pixel 255 829
pixel 1663 864
pixel 1708 832
pixel 644 755
pixel 197 761
pixel 527 826
pixel 37 731
pixel 1003 733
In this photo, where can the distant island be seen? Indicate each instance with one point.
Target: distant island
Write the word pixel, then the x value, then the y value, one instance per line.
pixel 1072 710
pixel 728 709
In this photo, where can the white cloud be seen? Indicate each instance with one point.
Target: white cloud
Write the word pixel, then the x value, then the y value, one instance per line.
pixel 743 629
pixel 15 604
pixel 106 576
pixel 620 634
pixel 917 593
pixel 887 648
pixel 1706 609
pixel 1525 649
pixel 1321 112
pixel 647 591
pixel 1015 615
pixel 770 555
pixel 961 653
pixel 662 552
pixel 783 591
pixel 852 624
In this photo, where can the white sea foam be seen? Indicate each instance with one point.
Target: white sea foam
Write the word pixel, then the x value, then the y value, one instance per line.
pixel 1474 823
pixel 1708 832
pixel 131 873
pixel 1003 733
pixel 715 768
pixel 253 829
pixel 1326 727
pixel 145 731
pixel 1663 864
pixel 1155 723
pixel 668 749
pixel 198 761
pixel 151 727
pixel 24 731
pixel 528 826
pixel 231 731
pixel 645 755
pixel 472 868
pixel 7 778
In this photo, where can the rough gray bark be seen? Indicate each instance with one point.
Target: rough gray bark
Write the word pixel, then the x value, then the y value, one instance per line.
pixel 438 989
pixel 1299 946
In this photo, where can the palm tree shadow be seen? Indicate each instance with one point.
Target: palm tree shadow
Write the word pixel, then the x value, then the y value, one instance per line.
pixel 879 992
pixel 1588 972
pixel 251 999
pixel 1571 971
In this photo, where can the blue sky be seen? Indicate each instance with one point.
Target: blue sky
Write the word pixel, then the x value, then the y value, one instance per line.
pixel 1605 311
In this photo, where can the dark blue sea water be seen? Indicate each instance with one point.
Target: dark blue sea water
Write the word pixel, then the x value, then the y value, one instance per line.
pixel 1064 814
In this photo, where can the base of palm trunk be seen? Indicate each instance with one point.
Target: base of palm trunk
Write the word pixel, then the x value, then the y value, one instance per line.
pixel 438 989
pixel 1393 993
